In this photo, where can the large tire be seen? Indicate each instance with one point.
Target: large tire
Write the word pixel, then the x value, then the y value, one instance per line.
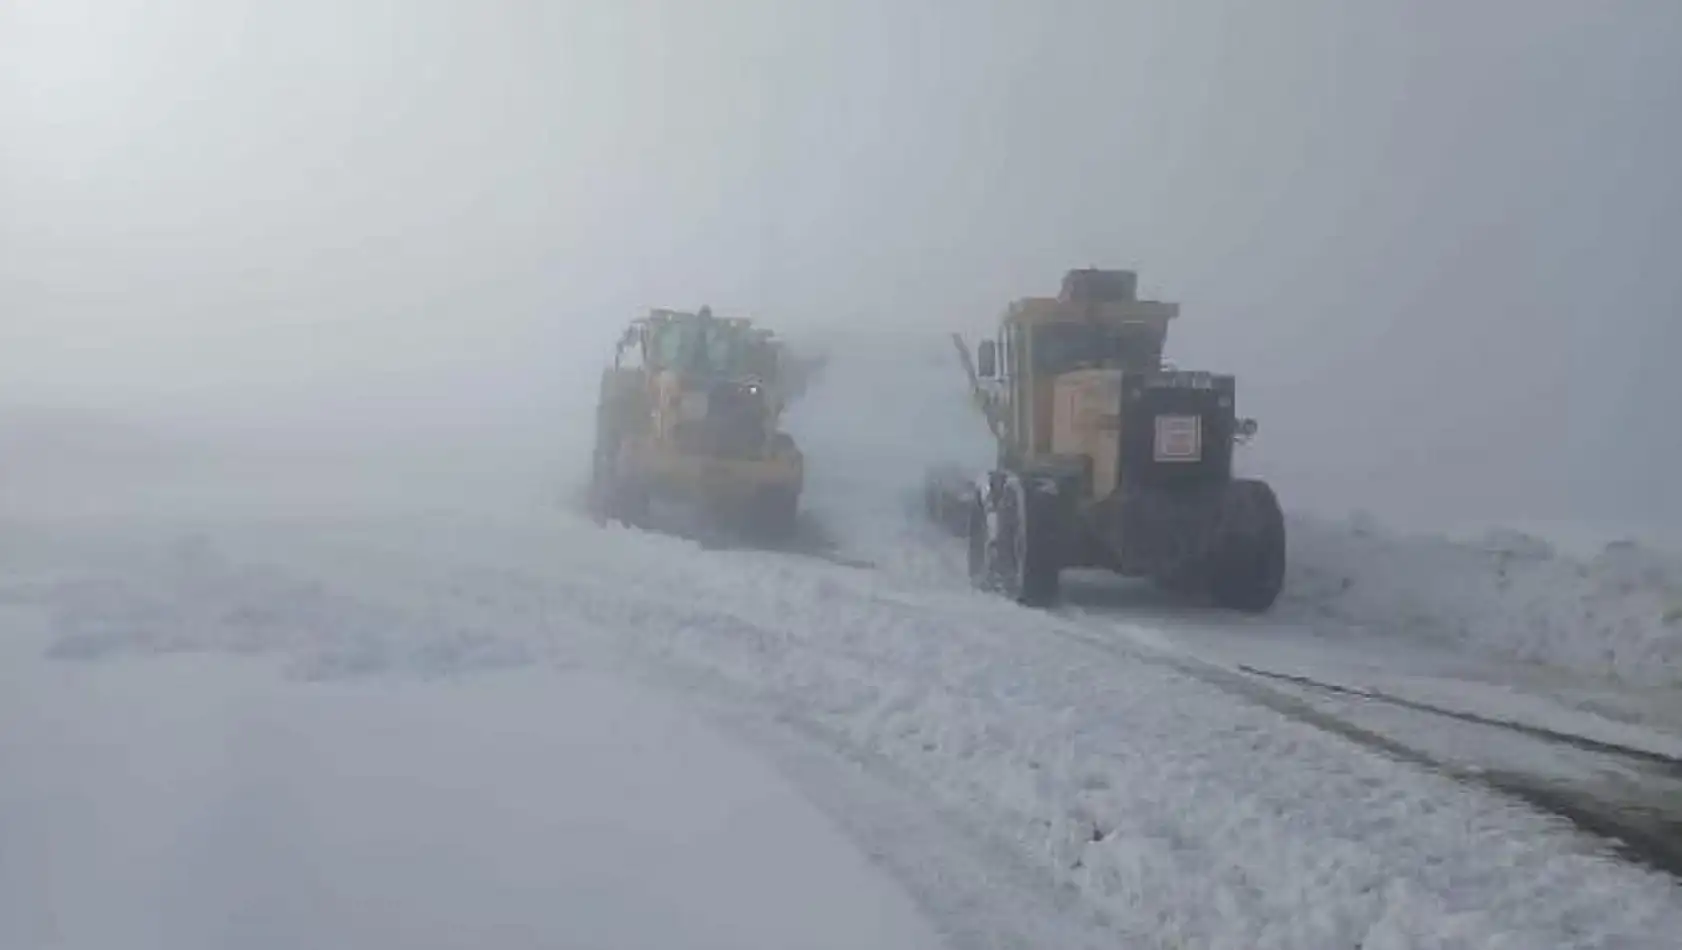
pixel 1248 570
pixel 1016 551
pixel 773 514
pixel 616 495
pixel 602 476
pixel 613 496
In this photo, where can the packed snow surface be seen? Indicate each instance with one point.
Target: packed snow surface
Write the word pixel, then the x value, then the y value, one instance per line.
pixel 1174 813
pixel 205 804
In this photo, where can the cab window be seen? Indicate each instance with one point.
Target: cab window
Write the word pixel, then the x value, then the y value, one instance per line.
pixel 1062 347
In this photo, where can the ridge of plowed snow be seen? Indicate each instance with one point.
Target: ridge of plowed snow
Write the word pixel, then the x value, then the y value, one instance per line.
pixel 1508 594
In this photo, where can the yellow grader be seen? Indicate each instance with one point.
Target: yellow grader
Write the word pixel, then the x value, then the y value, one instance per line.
pixel 1108 458
pixel 690 411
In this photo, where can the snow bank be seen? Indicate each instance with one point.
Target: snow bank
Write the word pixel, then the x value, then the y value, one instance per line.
pixel 1507 594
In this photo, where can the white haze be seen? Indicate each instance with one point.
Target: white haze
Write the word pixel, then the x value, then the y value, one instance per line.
pixel 1435 241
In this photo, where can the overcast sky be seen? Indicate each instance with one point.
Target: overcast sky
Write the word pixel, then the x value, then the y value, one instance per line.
pixel 1439 242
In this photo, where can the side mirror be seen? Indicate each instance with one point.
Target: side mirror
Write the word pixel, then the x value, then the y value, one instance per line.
pixel 987 359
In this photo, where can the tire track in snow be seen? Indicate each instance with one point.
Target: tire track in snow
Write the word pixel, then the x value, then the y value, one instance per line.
pixel 1535 732
pixel 1646 828
pixel 1643 823
pixel 1646 821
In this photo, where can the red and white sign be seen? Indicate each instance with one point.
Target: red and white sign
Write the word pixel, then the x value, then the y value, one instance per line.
pixel 1179 438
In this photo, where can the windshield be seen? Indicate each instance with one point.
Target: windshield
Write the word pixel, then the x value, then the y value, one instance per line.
pixel 708 348
pixel 723 350
pixel 1061 347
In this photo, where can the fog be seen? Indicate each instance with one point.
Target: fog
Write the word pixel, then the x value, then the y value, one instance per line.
pixel 1436 242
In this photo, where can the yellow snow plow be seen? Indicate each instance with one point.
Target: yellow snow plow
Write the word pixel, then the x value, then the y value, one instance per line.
pixel 1107 456
pixel 690 411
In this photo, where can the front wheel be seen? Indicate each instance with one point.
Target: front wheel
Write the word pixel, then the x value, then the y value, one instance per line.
pixel 1014 544
pixel 980 537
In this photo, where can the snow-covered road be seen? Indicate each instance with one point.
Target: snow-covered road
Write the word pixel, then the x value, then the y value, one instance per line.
pixel 200 802
pixel 1025 785
pixel 1118 772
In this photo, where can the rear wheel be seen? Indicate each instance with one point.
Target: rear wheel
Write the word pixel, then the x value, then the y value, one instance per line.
pixel 1248 571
